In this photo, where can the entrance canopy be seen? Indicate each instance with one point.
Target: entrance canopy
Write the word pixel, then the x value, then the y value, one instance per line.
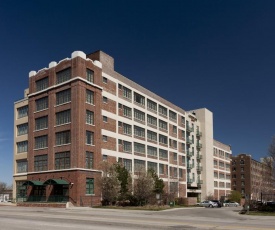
pixel 33 183
pixel 55 181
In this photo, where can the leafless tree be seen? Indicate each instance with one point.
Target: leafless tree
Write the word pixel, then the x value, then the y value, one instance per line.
pixel 4 187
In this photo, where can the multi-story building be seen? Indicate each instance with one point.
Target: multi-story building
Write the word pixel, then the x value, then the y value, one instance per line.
pixel 250 177
pixel 80 111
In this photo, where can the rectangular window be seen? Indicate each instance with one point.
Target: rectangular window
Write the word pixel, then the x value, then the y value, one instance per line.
pixel 127 146
pixel 63 117
pixel 152 166
pixel 161 169
pixel 139 132
pixel 138 115
pixel 180 173
pixel 174 129
pixel 104 138
pixel 90 186
pixel 89 138
pixel 63 97
pixel 41 103
pixel 105 80
pixel 172 115
pixel 89 117
pixel 127 164
pixel 139 165
pixel 163 139
pixel 41 123
pixel 151 105
pixel 139 98
pixel 62 160
pixel 163 153
pixel 105 119
pixel 139 148
pixel 127 112
pixel 40 163
pixel 127 129
pixel 42 84
pixel 183 160
pixel 162 111
pixel 152 136
pixel 90 75
pixel 127 93
pixel 175 172
pixel 41 142
pixel 63 75
pixel 163 125
pixel 105 99
pixel 22 166
pixel 89 96
pixel 22 129
pixel 183 134
pixel 175 156
pixel 183 120
pixel 152 120
pixel 152 151
pixel 22 146
pixel 62 138
pixel 173 143
pixel 89 163
pixel 22 111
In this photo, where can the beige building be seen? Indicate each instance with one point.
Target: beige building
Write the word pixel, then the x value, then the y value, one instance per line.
pixel 80 111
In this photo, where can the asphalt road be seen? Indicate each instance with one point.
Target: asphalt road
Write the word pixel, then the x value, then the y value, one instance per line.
pixel 20 218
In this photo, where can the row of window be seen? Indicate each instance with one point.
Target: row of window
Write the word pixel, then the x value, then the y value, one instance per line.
pixel 222 184
pixel 221 176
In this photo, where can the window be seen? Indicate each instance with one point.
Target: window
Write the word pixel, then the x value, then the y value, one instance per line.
pixel 163 154
pixel 172 115
pixel 183 147
pixel 127 129
pixel 139 115
pixel 221 176
pixel 41 103
pixel 163 139
pixel 163 125
pixel 242 183
pixel 105 80
pixel 173 144
pixel 62 138
pixel 22 111
pixel 22 166
pixel 22 129
pixel 152 166
pixel 161 169
pixel 175 156
pixel 139 148
pixel 41 142
pixel 152 151
pixel 89 117
pixel 152 136
pixel 63 97
pixel 175 172
pixel 63 75
pixel 183 134
pixel 138 131
pixel 62 160
pixel 22 146
pixel 127 164
pixel 89 96
pixel 241 162
pixel 162 110
pixel 215 175
pixel 41 123
pixel 90 75
pixel 139 165
pixel 152 120
pixel 183 120
pixel 104 138
pixel 180 173
pixel 242 176
pixel 89 138
pixel 215 163
pixel 127 93
pixel 63 117
pixel 221 164
pixel 42 84
pixel 151 105
pixel 139 98
pixel 174 129
pixel 127 146
pixel 127 112
pixel 40 163
pixel 105 100
pixel 242 169
pixel 183 160
pixel 90 186
pixel 104 157
pixel 89 163
pixel 215 183
pixel 105 119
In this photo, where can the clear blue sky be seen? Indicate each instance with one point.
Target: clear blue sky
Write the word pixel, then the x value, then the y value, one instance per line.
pixel 214 54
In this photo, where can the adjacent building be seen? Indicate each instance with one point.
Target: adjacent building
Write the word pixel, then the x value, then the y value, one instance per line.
pixel 80 111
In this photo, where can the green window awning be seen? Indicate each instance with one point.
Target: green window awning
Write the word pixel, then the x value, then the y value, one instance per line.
pixel 33 183
pixel 56 181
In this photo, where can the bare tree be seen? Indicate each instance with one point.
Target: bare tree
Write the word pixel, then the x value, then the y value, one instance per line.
pixel 4 187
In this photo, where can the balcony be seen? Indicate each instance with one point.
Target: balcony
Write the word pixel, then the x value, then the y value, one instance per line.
pixel 189 128
pixel 199 156
pixel 199 182
pixel 189 181
pixel 190 166
pixel 198 133
pixel 199 145
pixel 189 153
pixel 189 141
pixel 199 168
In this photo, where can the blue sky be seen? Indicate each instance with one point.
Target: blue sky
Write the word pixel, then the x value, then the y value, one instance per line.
pixel 214 54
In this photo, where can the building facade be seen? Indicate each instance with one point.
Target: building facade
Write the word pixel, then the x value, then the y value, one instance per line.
pixel 251 178
pixel 80 112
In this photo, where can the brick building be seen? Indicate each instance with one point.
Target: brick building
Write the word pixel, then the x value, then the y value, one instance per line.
pixel 80 111
pixel 251 177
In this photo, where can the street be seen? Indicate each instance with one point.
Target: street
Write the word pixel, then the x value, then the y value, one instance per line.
pixel 15 218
